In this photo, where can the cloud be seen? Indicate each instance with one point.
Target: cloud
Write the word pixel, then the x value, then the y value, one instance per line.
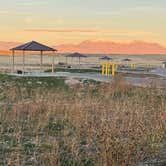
pixel 28 20
pixel 131 33
pixel 63 30
pixel 4 12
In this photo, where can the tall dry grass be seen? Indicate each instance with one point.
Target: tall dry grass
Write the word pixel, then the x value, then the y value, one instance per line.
pixel 111 125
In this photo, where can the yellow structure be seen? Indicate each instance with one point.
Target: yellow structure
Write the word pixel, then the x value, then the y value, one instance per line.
pixel 109 68
pixel 103 69
pixel 132 66
pixel 113 70
pixel 106 69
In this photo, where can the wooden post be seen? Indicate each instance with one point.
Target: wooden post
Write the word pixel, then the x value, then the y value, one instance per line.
pixel 41 61
pixel 53 62
pixel 23 62
pixel 12 61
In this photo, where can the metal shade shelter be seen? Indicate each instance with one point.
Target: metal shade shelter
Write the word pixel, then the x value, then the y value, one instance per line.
pixel 127 60
pixel 33 46
pixel 105 58
pixel 76 55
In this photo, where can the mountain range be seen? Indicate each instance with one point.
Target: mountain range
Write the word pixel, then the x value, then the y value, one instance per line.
pixel 103 47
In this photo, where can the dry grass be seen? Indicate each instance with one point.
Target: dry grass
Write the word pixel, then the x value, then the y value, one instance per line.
pixel 114 125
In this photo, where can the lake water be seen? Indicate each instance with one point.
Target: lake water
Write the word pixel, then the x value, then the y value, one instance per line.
pixel 33 61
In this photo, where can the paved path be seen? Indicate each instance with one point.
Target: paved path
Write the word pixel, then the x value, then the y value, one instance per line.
pixel 137 81
pixel 90 76
pixel 159 71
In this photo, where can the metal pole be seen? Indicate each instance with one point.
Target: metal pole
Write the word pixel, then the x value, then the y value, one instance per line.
pixel 53 62
pixel 23 62
pixel 41 61
pixel 79 62
pixel 72 60
pixel 66 59
pixel 13 61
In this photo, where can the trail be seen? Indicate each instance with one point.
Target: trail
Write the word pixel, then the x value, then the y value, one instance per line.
pixel 136 81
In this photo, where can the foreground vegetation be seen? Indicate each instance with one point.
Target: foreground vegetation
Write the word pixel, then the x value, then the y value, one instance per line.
pixel 45 122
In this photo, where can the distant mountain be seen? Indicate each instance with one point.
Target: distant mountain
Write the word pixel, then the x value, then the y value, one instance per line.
pixel 4 52
pixel 103 47
pixel 8 45
pixel 135 47
pixel 5 46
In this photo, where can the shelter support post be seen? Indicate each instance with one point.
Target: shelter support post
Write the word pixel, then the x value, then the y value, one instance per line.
pixel 41 61
pixel 66 59
pixel 79 62
pixel 53 58
pixel 13 61
pixel 72 61
pixel 23 62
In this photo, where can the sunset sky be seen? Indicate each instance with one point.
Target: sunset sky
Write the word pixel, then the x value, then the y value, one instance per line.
pixel 74 21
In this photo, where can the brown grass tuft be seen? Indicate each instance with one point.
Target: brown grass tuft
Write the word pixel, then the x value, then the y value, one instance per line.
pixel 98 125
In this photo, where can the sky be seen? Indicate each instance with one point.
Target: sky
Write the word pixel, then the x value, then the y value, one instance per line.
pixel 74 21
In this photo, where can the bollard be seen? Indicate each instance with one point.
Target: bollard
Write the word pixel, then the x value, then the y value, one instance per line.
pixel 131 66
pixel 134 66
pixel 109 65
pixel 103 69
pixel 113 70
pixel 106 69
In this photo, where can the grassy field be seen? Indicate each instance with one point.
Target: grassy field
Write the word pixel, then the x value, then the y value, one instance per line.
pixel 43 121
